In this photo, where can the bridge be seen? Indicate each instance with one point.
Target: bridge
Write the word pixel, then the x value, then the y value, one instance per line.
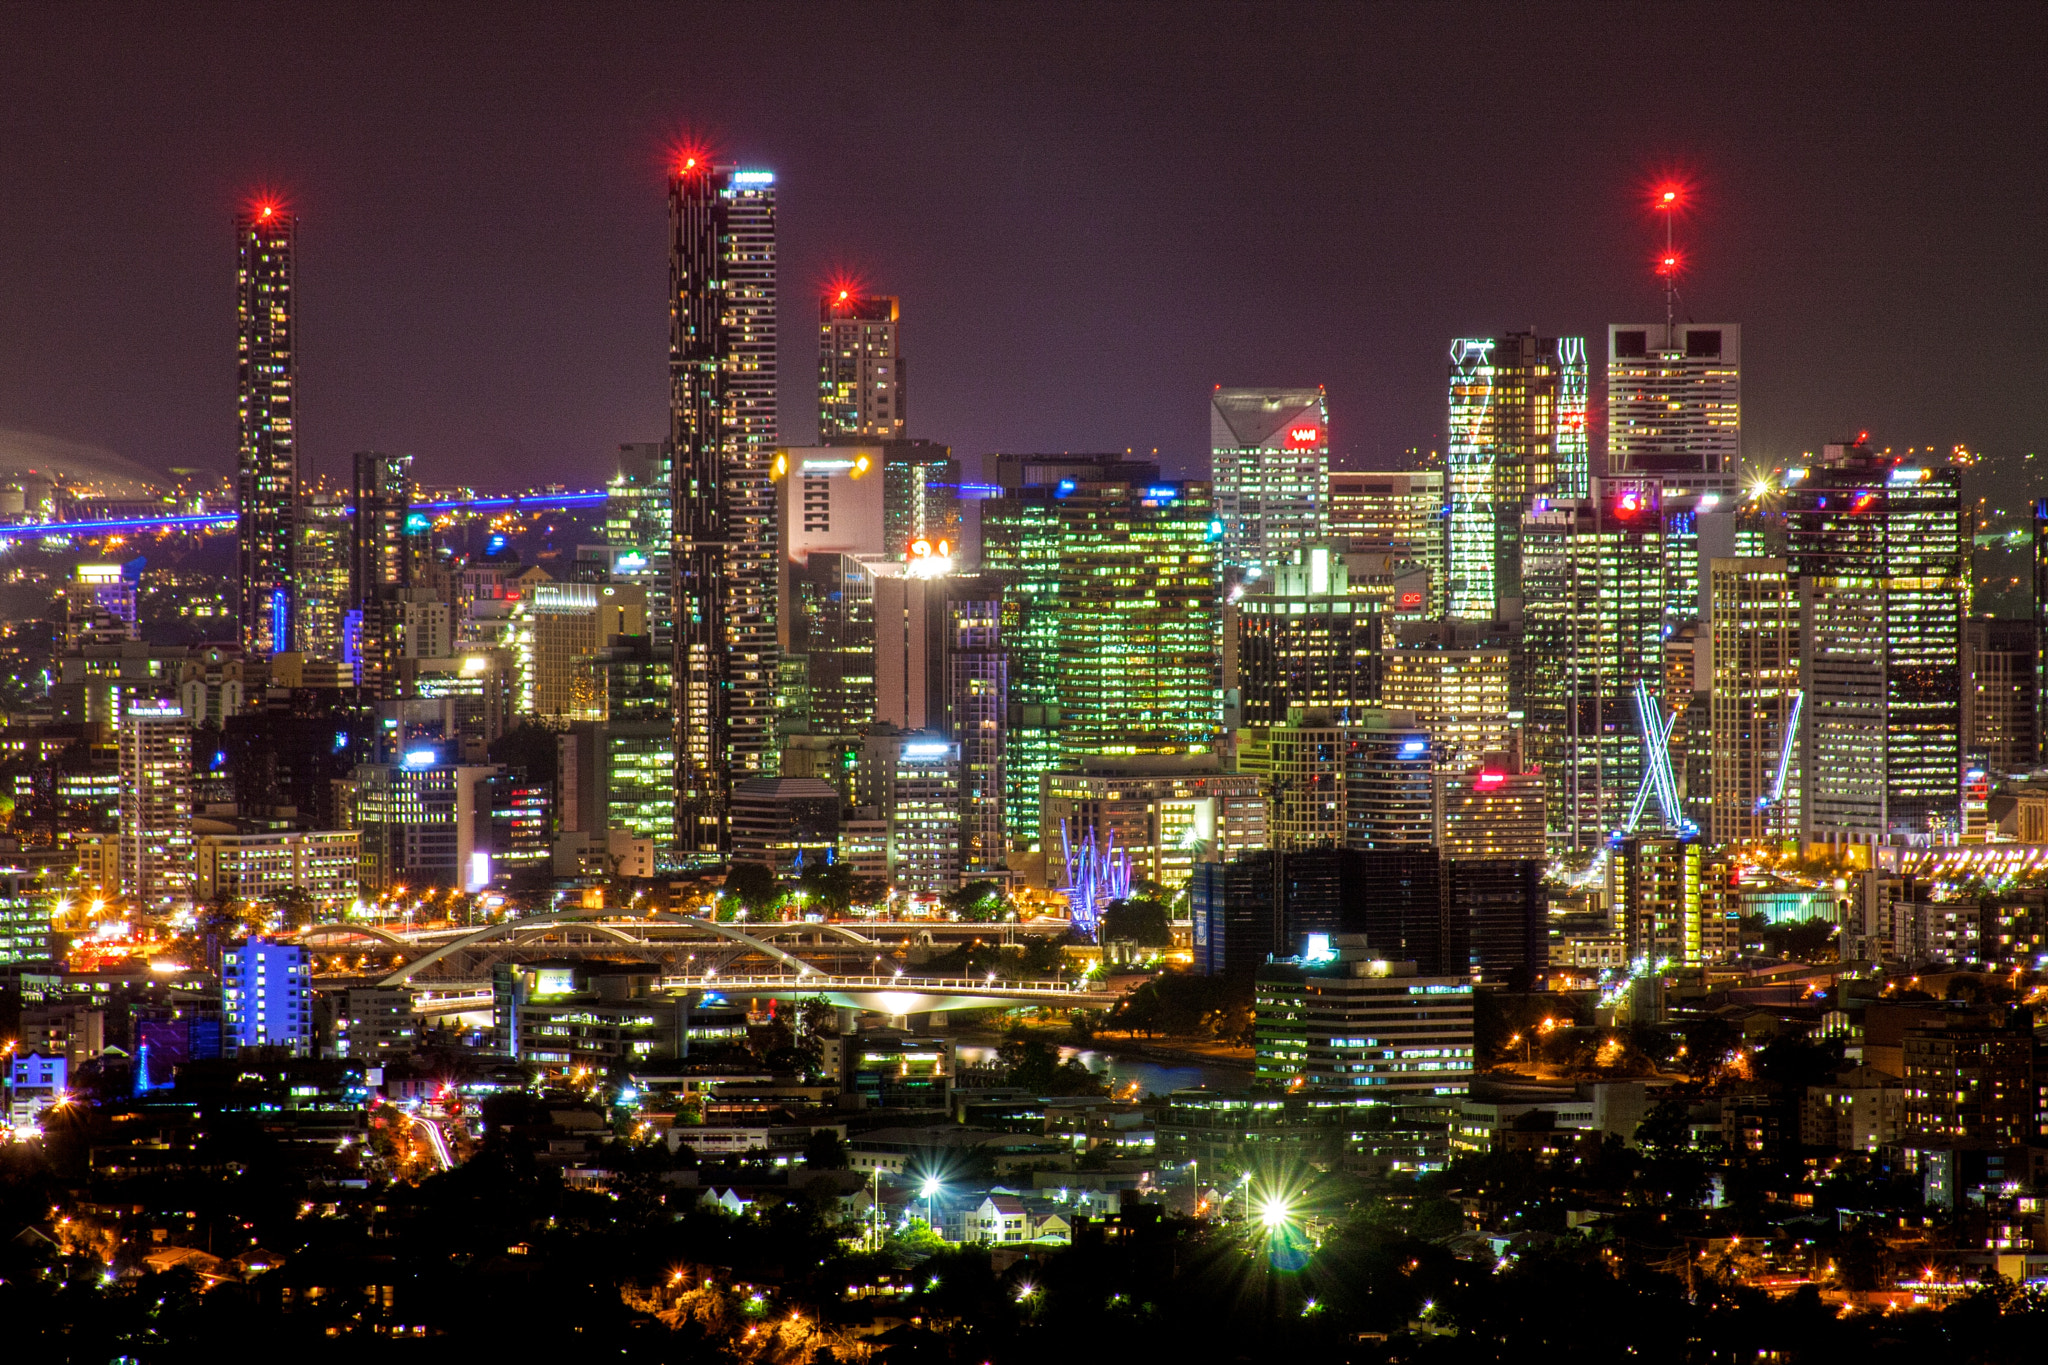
pixel 779 960
pixel 516 502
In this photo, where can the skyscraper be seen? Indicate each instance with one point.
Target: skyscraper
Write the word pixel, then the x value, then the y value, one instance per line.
pixel 1109 611
pixel 156 804
pixel 723 431
pixel 266 456
pixel 639 519
pixel 1269 452
pixel 1593 587
pixel 1882 551
pixel 321 560
pixel 1674 403
pixel 1396 513
pixel 860 369
pixel 1300 640
pixel 1753 695
pixel 1517 433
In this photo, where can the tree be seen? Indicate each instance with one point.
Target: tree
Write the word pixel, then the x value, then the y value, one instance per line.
pixel 825 1151
pixel 1141 923
pixel 754 887
pixel 829 888
pixel 530 748
pixel 978 902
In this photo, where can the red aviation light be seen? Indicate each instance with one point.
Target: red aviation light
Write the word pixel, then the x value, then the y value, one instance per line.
pixel 268 210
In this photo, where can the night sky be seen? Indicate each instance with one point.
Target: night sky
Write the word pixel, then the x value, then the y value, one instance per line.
pixel 1093 215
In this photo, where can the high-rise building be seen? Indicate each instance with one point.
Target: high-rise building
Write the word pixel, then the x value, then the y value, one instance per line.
pixel 1396 513
pixel 938 662
pixel 1593 629
pixel 156 804
pixel 565 624
pixel 1882 551
pixel 1517 433
pixel 267 461
pixel 921 501
pixel 912 779
pixel 829 518
pixel 1300 639
pixel 860 368
pixel 639 524
pixel 1671 901
pixel 1389 782
pixel 723 435
pixel 1269 452
pixel 322 556
pixel 1493 811
pixel 424 822
pixel 1110 617
pixel 1674 403
pixel 267 997
pixel 1753 697
pixel 2000 724
pixel 1457 681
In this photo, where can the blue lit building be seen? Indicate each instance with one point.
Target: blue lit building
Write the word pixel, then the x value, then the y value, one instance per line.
pixel 266 994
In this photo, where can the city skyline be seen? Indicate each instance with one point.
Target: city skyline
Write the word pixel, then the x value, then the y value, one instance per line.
pixel 552 352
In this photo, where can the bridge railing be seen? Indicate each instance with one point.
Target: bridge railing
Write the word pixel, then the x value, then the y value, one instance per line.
pixel 829 981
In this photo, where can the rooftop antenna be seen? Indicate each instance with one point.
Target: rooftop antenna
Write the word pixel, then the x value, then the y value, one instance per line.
pixel 1667 264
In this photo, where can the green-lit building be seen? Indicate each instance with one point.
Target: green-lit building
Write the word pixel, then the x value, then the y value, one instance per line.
pixel 1111 612
pixel 1593 618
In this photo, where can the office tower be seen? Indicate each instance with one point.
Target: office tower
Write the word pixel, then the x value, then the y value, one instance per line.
pixel 1398 514
pixel 723 437
pixel 2000 695
pixel 1300 639
pixel 639 523
pixel 1672 903
pixel 101 604
pixel 1882 549
pixel 1269 452
pixel 1341 1017
pixel 1754 696
pixel 939 662
pixel 1111 620
pixel 1300 767
pixel 390 564
pixel 785 824
pixel 1265 902
pixel 1493 811
pixel 322 559
pixel 267 462
pixel 156 804
pixel 266 994
pixel 1389 782
pixel 424 821
pixel 1456 679
pixel 1165 813
pixel 26 934
pixel 1496 921
pixel 2041 627
pixel 565 624
pixel 829 515
pixel 829 617
pixel 912 779
pixel 617 774
pixel 1593 629
pixel 1674 404
pixel 921 501
pixel 860 368
pixel 1517 433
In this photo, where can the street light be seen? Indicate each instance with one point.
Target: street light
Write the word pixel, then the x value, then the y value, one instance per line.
pixel 930 1191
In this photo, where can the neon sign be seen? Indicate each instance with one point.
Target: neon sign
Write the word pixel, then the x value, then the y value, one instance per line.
pixel 1300 438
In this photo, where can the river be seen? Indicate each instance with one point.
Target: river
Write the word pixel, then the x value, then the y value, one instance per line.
pixel 1118 1071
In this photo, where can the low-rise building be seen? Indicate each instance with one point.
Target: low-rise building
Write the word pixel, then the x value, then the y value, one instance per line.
pixel 1339 1017
pixel 1857 1111
pixel 323 865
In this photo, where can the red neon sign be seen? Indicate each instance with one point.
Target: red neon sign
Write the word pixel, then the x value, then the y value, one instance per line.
pixel 1411 599
pixel 1299 438
pixel 1491 779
